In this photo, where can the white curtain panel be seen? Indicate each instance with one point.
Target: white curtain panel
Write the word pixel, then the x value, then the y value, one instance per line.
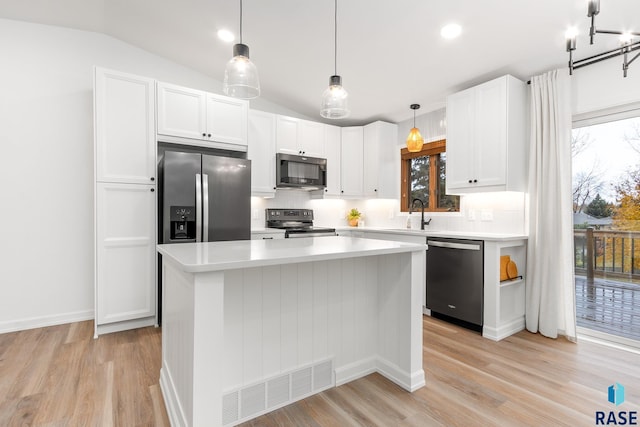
pixel 550 289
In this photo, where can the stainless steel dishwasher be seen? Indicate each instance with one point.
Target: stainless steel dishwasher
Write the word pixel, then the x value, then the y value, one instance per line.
pixel 455 280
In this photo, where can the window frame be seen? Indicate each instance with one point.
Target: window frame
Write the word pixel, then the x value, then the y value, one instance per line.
pixel 428 149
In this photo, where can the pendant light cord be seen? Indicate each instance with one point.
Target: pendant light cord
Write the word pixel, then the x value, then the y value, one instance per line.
pixel 240 21
pixel 335 39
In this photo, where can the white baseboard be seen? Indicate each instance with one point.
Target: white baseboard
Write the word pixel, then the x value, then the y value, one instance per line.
pixel 44 321
pixel 503 331
pixel 408 381
pixel 353 371
pixel 171 401
pixel 126 325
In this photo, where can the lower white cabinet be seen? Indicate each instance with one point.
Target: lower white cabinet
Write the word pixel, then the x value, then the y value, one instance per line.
pixel 504 301
pixel 125 256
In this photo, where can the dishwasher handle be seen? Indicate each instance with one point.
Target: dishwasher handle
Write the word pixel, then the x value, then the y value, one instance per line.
pixel 451 245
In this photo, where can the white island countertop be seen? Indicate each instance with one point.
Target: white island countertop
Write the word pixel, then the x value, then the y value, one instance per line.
pixel 217 256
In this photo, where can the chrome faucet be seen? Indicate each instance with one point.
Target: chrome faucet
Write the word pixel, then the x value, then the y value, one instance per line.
pixel 422 221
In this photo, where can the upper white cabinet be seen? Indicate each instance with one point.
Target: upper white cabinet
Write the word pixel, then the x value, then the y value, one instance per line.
pixel 487 137
pixel 198 115
pixel 300 137
pixel 125 140
pixel 333 137
pixel 352 161
pixel 261 152
pixel 381 160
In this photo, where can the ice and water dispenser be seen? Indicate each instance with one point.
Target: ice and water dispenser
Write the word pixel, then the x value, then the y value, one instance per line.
pixel 183 222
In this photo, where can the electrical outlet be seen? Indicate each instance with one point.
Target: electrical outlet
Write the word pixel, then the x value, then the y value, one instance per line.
pixel 471 214
pixel 486 215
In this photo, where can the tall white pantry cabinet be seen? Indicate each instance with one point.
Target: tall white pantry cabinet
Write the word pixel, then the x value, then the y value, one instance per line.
pixel 125 201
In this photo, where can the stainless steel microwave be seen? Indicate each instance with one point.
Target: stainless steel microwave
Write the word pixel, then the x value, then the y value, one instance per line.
pixel 300 172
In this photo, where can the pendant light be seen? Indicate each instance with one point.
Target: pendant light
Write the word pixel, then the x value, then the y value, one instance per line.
pixel 414 140
pixel 334 99
pixel 241 75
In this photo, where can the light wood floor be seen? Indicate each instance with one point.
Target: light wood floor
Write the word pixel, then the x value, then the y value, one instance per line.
pixel 61 376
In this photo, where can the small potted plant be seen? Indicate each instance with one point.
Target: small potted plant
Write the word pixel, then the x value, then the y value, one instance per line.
pixel 353 216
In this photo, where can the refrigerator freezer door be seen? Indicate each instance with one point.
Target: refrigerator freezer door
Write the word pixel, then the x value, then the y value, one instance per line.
pixel 229 204
pixel 178 188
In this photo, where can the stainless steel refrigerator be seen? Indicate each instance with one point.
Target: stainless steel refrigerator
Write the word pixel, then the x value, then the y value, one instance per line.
pixel 203 197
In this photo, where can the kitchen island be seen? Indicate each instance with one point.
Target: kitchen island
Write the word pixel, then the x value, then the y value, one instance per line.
pixel 251 326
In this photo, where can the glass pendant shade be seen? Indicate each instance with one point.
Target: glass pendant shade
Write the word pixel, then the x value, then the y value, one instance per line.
pixel 334 100
pixel 414 140
pixel 241 75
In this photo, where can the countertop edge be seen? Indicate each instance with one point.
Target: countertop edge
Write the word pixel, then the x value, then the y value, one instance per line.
pixel 437 233
pixel 232 265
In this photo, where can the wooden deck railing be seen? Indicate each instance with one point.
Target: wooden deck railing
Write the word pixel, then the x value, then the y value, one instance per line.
pixel 614 254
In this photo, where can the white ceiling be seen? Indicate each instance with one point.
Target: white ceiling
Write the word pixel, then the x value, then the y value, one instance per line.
pixel 390 53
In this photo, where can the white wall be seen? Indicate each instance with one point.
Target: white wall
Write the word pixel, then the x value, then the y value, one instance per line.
pixel 46 165
pixel 602 87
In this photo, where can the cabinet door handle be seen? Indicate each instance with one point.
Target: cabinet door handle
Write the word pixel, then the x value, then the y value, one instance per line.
pixel 152 190
pixel 152 179
pixel 470 181
pixel 325 190
pixel 208 135
pixel 475 180
pixel 267 238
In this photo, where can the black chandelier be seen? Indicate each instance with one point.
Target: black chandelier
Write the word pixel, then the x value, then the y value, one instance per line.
pixel 627 44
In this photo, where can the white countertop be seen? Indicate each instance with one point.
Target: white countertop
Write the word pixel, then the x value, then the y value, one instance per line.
pixel 438 233
pixel 216 256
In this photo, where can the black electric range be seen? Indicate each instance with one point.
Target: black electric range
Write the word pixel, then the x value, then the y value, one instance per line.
pixel 296 223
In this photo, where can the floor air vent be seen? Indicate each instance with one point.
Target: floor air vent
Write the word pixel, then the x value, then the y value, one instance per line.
pixel 249 402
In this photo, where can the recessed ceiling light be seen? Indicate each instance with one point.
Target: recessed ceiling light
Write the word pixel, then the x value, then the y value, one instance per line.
pixel 451 31
pixel 226 35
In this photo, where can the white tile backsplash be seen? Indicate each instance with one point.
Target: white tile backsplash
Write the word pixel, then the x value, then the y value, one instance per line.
pixel 493 212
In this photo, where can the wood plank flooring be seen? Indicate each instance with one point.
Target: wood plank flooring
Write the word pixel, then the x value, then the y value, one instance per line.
pixel 61 376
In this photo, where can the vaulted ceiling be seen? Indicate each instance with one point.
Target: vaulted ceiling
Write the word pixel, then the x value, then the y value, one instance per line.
pixel 390 52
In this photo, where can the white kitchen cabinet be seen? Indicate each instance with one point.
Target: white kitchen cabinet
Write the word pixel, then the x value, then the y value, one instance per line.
pixel 333 138
pixel 125 143
pixel 381 160
pixel 125 256
pixel 197 115
pixel 125 201
pixel 487 137
pixel 299 137
pixel 262 153
pixel 504 302
pixel 352 161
